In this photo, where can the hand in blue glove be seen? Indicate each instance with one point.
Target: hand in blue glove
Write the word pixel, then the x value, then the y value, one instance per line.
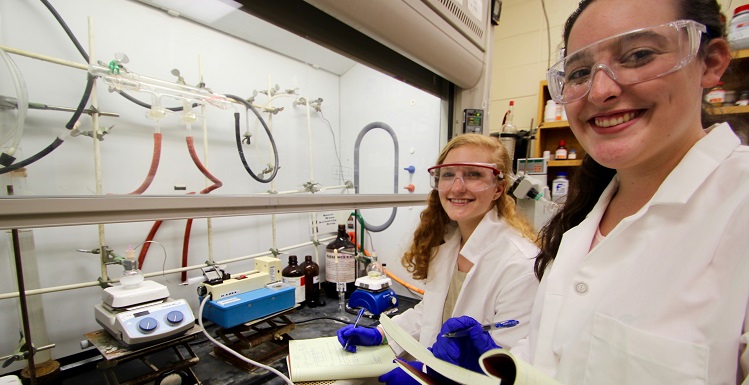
pixel 463 351
pixel 358 336
pixel 398 376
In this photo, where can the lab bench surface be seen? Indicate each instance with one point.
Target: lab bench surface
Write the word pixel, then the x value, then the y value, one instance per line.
pixel 214 370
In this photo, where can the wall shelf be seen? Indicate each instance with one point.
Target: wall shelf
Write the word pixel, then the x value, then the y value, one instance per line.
pixel 565 163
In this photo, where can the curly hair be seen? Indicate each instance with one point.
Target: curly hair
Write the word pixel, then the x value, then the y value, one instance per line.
pixel 430 233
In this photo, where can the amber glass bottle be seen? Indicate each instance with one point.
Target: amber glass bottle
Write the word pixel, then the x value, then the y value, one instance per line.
pixel 293 275
pixel 340 264
pixel 311 282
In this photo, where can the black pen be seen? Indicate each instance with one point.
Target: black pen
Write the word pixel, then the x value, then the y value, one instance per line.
pixel 499 325
pixel 356 322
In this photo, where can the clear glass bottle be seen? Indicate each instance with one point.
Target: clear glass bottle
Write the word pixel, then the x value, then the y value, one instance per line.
pixel 132 276
pixel 375 269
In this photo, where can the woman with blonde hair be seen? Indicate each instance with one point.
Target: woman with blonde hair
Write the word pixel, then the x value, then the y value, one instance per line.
pixel 472 249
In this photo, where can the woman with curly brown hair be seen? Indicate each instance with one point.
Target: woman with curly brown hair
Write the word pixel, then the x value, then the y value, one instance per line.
pixel 472 248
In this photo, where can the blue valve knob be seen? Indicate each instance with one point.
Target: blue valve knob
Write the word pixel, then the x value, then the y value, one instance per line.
pixel 410 169
pixel 175 317
pixel 147 325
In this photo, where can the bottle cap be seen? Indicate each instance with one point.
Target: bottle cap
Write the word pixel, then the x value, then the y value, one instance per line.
pixel 512 102
pixel 562 142
pixel 740 9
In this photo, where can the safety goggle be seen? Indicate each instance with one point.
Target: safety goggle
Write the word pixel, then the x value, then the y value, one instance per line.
pixel 628 58
pixel 475 177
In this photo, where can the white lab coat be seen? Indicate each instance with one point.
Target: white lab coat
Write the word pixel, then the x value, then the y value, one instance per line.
pixel 663 298
pixel 500 286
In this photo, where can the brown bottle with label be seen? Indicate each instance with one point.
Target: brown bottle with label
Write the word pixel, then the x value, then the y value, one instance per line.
pixel 340 264
pixel 293 275
pixel 311 282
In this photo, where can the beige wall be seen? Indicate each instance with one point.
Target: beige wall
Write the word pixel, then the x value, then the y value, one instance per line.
pixel 521 54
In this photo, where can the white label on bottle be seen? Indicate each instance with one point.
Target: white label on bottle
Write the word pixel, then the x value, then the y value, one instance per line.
pixel 341 269
pixel 561 153
pixel 716 96
pixel 559 192
pixel 316 279
pixel 298 284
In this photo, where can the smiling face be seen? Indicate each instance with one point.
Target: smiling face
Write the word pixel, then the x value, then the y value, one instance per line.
pixel 464 206
pixel 642 125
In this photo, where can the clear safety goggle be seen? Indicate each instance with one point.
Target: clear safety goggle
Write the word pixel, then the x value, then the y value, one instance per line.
pixel 475 177
pixel 628 58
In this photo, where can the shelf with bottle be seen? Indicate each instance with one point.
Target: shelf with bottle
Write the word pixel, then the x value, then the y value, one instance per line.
pixel 736 79
pixel 550 133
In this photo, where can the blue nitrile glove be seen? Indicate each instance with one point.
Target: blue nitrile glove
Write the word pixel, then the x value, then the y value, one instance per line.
pixel 358 336
pixel 398 376
pixel 463 351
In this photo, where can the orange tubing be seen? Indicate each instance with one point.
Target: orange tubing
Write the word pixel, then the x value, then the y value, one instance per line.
pixel 404 283
pixel 147 243
pixel 395 277
pixel 216 183
pixel 186 247
pixel 154 164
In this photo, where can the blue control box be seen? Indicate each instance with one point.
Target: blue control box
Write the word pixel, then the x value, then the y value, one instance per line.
pixel 242 308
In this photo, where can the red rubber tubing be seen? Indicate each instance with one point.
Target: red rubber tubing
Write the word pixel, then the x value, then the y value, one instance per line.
pixel 156 157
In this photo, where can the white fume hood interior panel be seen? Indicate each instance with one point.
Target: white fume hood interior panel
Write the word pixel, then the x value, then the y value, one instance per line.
pixel 312 145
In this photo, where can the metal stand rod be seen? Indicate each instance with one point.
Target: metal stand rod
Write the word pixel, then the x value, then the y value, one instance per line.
pixel 22 298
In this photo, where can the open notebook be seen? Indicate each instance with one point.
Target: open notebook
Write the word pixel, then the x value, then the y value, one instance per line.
pixel 320 359
pixel 499 365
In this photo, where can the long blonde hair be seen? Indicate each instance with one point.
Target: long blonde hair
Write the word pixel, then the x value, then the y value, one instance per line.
pixel 434 220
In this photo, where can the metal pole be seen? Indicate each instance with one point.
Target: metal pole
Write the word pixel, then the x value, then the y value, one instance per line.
pixel 22 299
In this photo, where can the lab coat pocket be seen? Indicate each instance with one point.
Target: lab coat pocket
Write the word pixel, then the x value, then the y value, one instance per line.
pixel 620 354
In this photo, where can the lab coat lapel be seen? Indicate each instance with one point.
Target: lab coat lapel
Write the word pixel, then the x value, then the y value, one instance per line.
pixel 701 160
pixel 441 269
pixel 481 240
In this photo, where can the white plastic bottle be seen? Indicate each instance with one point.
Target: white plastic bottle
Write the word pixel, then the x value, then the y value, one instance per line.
pixel 559 187
pixel 550 111
pixel 738 31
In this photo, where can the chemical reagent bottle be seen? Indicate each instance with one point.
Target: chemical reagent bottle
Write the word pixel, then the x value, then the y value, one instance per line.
pixel 340 265
pixel 311 282
pixel 293 275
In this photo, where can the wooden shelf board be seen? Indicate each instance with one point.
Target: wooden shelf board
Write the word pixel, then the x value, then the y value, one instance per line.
pixel 555 124
pixel 730 110
pixel 741 54
pixel 565 163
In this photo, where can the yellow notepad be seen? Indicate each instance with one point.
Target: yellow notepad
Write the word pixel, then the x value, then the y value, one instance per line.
pixel 319 359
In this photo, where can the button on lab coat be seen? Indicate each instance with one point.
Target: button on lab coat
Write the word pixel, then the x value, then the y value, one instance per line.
pixel 501 285
pixel 663 298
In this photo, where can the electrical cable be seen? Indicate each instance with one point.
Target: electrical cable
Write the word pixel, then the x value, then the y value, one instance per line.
pixel 232 352
pixel 548 34
pixel 147 242
pixel 239 141
pixel 163 263
pixel 335 147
